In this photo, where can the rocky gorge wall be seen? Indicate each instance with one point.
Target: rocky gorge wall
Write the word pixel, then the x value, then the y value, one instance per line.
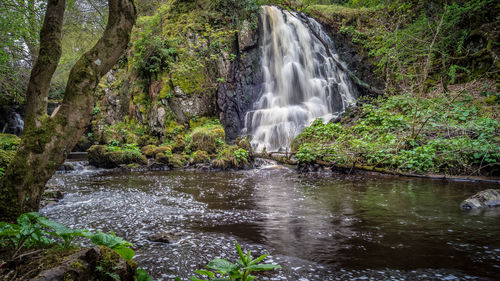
pixel 215 72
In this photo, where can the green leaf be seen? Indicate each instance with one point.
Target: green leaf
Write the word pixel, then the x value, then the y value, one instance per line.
pixel 113 276
pixel 143 275
pixel 248 257
pixel 262 267
pixel 7 229
pixel 259 259
pixel 205 272
pixel 194 278
pixel 240 253
pixel 59 229
pixel 222 266
pixel 108 240
pixel 124 252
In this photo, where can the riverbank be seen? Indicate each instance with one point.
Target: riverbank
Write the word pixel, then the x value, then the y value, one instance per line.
pixel 453 133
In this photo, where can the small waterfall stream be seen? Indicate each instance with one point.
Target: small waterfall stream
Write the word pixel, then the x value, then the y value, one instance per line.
pixel 302 80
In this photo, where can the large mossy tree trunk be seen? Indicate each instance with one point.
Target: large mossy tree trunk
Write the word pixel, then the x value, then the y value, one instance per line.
pixel 47 140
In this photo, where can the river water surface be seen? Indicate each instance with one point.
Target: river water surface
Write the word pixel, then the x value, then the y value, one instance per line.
pixel 317 227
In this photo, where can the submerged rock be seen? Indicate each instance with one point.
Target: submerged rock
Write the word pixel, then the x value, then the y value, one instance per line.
pixel 484 199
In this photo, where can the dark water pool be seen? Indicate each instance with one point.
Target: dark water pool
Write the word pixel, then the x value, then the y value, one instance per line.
pixel 318 227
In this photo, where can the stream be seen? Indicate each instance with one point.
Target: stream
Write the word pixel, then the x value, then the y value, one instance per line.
pixel 317 227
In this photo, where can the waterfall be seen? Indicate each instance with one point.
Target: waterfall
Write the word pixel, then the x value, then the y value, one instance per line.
pixel 302 80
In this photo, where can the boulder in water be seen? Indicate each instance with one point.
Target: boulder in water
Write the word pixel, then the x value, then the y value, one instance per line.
pixel 484 199
pixel 162 237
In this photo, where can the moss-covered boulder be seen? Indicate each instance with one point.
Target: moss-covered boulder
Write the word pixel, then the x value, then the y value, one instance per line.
pixel 149 150
pixel 172 160
pixel 200 156
pixel 244 143
pixel 5 157
pixel 178 160
pixel 97 263
pixel 179 145
pixel 207 138
pixel 8 147
pixel 162 158
pixel 100 156
pixel 163 148
pixel 232 157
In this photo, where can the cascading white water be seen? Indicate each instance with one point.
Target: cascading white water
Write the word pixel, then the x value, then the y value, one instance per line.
pixel 302 80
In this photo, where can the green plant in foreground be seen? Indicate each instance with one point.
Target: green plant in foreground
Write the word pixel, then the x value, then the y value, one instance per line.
pixel 36 231
pixel 228 271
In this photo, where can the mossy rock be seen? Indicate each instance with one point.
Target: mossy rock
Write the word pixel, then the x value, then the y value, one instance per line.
pixel 179 145
pixel 5 157
pixel 9 142
pixel 172 160
pixel 147 140
pixel 162 158
pixel 149 150
pixel 95 263
pixel 100 157
pixel 200 156
pixel 177 161
pixel 163 148
pixel 207 138
pixel 227 159
pixel 244 143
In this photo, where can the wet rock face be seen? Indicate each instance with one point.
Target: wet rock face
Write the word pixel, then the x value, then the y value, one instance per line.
pixel 484 199
pixel 243 82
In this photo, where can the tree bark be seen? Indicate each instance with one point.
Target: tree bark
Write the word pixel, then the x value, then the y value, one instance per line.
pixel 47 140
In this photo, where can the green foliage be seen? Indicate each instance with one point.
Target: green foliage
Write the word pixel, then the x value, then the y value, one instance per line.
pixel 443 134
pixel 96 110
pixel 236 11
pixel 118 244
pixel 142 275
pixel 20 23
pixel 152 54
pixel 232 156
pixel 205 137
pixel 241 155
pixel 417 44
pixel 222 269
pixel 34 230
pixel 8 147
pixel 306 153
pixel 124 132
pixel 9 142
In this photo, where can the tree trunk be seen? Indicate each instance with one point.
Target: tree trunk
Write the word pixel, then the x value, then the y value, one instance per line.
pixel 47 140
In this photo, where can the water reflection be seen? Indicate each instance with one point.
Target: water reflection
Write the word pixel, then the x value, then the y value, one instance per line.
pixel 317 227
